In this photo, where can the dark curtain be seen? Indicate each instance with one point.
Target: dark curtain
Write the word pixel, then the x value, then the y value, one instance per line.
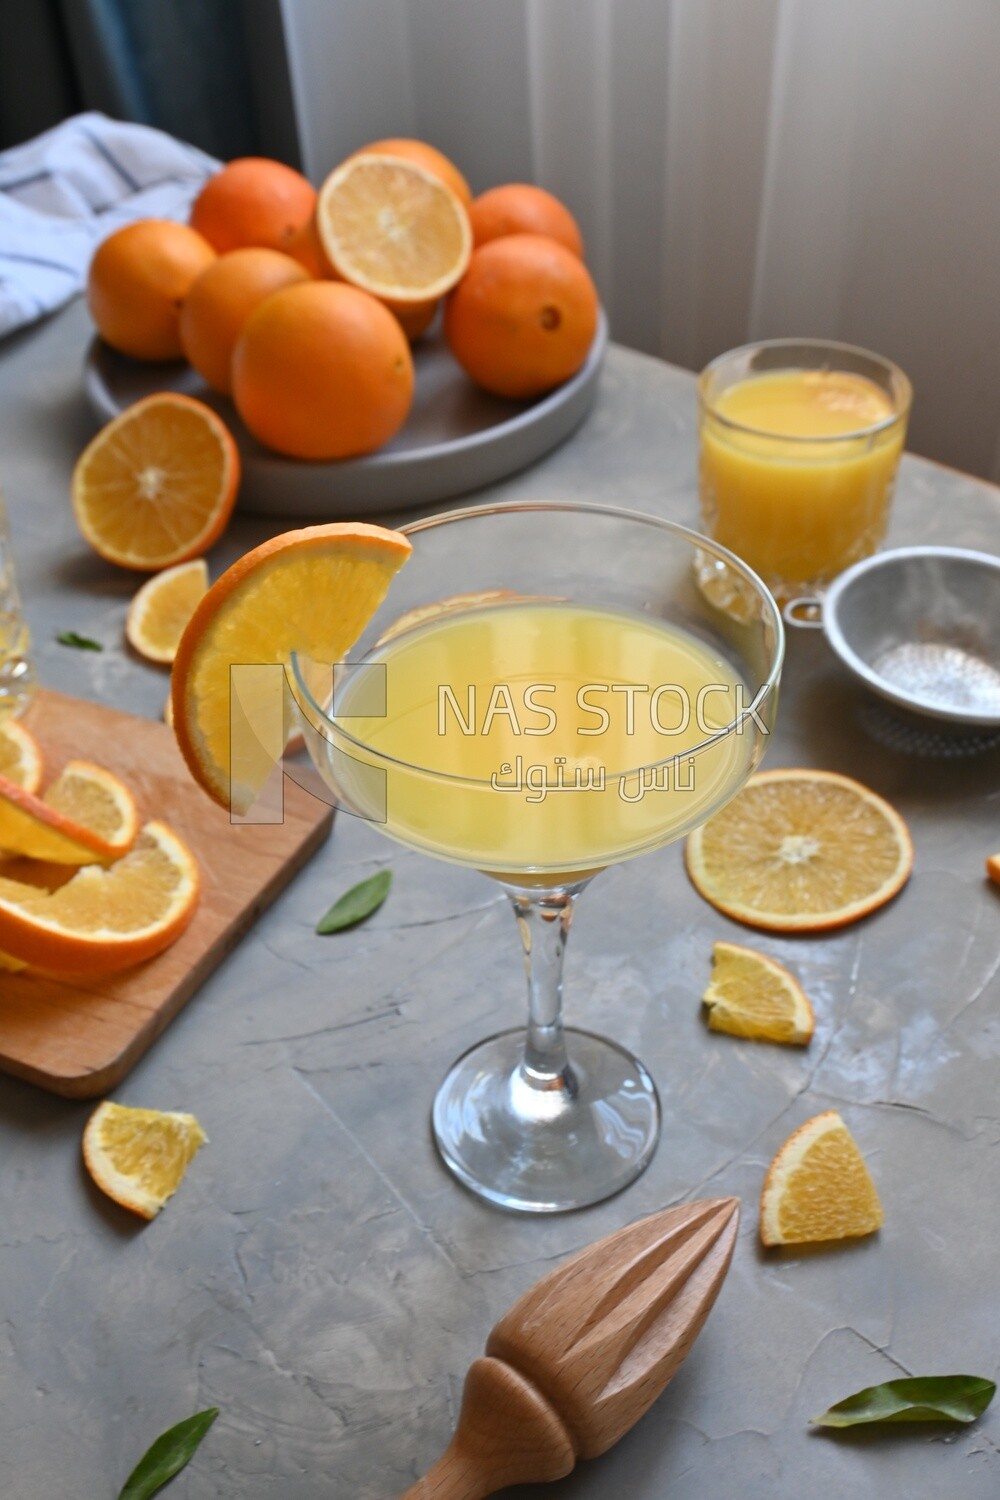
pixel 212 72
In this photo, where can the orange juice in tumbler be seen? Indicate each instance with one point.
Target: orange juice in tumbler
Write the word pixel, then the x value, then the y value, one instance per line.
pixel 798 465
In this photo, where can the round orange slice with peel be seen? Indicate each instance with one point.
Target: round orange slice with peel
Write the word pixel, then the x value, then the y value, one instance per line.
pixel 751 995
pixel 818 1187
pixel 20 756
pixel 160 611
pixel 86 815
pixel 311 591
pixel 157 485
pixel 393 228
pixel 800 851
pixel 103 920
pixel 139 1156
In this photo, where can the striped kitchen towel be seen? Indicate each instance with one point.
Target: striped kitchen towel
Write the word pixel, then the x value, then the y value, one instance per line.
pixel 64 191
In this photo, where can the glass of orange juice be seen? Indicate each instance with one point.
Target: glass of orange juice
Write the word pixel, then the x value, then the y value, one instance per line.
pixel 800 441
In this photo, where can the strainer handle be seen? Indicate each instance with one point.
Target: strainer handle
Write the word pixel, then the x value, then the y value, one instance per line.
pixel 804 613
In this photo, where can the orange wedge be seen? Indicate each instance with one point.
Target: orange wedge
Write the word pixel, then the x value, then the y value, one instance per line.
pixel 86 815
pixel 311 591
pixel 393 228
pixel 139 1156
pixel 20 756
pixel 818 1187
pixel 160 611
pixel 103 920
pixel 751 995
pixel 800 851
pixel 993 867
pixel 157 485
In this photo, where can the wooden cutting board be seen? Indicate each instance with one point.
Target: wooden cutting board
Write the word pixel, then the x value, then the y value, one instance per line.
pixel 79 1036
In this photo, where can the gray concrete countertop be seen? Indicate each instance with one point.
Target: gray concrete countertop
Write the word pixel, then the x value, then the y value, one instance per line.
pixel 321 1278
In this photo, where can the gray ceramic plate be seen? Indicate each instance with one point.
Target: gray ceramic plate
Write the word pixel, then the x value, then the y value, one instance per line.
pixel 456 439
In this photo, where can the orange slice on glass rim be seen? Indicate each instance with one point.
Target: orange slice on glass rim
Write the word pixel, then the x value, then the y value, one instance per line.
pixel 139 1156
pixel 86 815
pixel 800 851
pixel 20 755
pixel 751 995
pixel 103 920
pixel 157 485
pixel 393 228
pixel 312 591
pixel 818 1187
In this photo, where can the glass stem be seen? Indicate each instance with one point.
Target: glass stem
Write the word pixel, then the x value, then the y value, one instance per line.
pixel 543 920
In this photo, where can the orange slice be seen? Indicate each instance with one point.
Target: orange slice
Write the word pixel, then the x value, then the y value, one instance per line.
pixel 818 1187
pixel 311 591
pixel 87 814
pixel 160 611
pixel 103 920
pixel 139 1156
pixel 20 756
pixel 393 228
pixel 993 867
pixel 800 851
pixel 157 485
pixel 751 995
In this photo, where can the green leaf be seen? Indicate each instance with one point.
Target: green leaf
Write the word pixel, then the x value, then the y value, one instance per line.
pixel 924 1398
pixel 356 904
pixel 81 642
pixel 167 1456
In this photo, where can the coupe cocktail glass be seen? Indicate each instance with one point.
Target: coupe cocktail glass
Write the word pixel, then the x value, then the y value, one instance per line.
pixel 544 692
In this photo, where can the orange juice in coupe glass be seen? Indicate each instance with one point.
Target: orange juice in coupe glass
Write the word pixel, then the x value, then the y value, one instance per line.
pixel 799 445
pixel 546 691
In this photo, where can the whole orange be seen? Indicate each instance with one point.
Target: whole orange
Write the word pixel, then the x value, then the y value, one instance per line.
pixel 253 201
pixel 413 317
pixel 137 281
pixel 522 208
pixel 429 157
pixel 523 317
pixel 221 300
pixel 322 370
pixel 306 247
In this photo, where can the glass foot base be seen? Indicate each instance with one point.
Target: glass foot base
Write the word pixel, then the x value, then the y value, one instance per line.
pixel 546 1150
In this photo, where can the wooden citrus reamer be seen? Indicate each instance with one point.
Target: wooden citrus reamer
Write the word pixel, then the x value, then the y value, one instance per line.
pixel 585 1352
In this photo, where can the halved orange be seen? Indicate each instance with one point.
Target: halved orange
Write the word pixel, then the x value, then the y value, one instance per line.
pixel 103 920
pixel 311 591
pixel 159 612
pixel 800 851
pixel 86 815
pixel 993 867
pixel 157 485
pixel 139 1156
pixel 751 995
pixel 393 228
pixel 818 1187
pixel 20 755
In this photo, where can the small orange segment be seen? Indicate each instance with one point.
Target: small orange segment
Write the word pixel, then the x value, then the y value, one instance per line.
pixel 159 612
pixel 103 920
pixel 20 755
pixel 818 1187
pixel 393 229
pixel 139 1156
pixel 136 285
pixel 86 815
pixel 751 995
pixel 157 485
pixel 800 851
pixel 311 591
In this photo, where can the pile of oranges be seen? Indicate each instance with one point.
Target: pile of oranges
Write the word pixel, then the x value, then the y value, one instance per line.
pixel 302 305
